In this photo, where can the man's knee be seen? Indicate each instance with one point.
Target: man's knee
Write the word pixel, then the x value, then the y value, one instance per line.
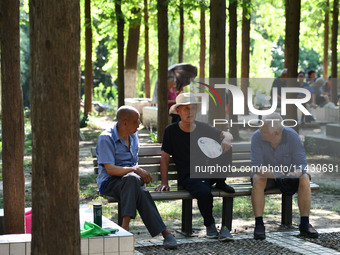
pixel 304 181
pixel 203 192
pixel 259 183
pixel 131 178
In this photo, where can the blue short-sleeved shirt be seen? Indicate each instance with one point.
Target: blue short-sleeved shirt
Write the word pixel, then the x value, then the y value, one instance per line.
pixel 111 149
pixel 326 89
pixel 290 152
pixel 305 86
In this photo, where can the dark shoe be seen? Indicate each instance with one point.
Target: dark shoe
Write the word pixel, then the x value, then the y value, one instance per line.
pixel 223 186
pixel 211 231
pixel 308 231
pixel 260 232
pixel 170 242
pixel 225 234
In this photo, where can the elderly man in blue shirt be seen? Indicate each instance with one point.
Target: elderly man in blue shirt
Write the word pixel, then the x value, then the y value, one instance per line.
pixel 120 177
pixel 279 161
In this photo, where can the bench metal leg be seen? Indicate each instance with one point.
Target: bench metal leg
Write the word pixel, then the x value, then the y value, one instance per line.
pixel 120 218
pixel 227 212
pixel 287 210
pixel 187 216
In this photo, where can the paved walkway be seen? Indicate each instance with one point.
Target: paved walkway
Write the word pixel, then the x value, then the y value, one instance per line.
pixel 275 243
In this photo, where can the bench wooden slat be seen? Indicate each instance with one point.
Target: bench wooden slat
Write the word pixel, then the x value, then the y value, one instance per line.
pixel 241 147
pixel 156 150
pixel 151 160
pixel 93 152
pixel 149 151
pixel 241 156
pixel 156 168
pixel 171 176
pixel 183 194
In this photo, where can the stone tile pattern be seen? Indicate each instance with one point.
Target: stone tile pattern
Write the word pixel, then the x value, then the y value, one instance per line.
pixel 244 246
pixel 288 242
pixel 328 240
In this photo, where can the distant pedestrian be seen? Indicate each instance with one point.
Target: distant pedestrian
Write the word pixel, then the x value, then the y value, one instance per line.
pixel 279 83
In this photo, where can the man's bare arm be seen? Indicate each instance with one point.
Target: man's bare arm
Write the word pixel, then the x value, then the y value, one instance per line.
pixel 121 171
pixel 164 164
pixel 226 142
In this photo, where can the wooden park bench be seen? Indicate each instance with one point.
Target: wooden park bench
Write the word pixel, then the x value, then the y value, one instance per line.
pixel 149 159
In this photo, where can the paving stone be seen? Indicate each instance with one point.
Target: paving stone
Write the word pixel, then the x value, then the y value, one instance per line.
pixel 241 247
pixel 328 240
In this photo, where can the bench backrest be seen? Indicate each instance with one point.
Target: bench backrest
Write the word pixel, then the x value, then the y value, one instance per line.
pixel 149 159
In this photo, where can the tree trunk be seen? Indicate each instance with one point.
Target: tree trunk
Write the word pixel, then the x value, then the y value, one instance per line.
pixel 55 78
pixel 217 39
pixel 285 50
pixel 120 46
pixel 217 57
pixel 146 53
pixel 245 55
pixel 12 120
pixel 88 58
pixel 130 74
pixel 234 130
pixel 292 45
pixel 334 73
pixel 181 32
pixel 163 33
pixel 326 40
pixel 202 44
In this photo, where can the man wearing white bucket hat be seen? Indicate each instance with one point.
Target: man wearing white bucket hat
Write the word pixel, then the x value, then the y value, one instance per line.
pixel 181 140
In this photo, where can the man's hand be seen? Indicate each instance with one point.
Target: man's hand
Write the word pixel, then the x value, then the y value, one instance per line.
pixel 295 174
pixel 226 142
pixel 145 175
pixel 162 187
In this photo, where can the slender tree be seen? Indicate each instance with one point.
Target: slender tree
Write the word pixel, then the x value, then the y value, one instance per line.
pixel 217 55
pixel 326 40
pixel 12 119
pixel 146 49
pixel 285 49
pixel 217 39
pixel 233 63
pixel 130 71
pixel 163 34
pixel 245 51
pixel 120 43
pixel 334 73
pixel 202 40
pixel 88 59
pixel 55 79
pixel 181 32
pixel 293 8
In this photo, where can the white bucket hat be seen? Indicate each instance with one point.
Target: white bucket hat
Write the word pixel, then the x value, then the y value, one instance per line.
pixel 182 99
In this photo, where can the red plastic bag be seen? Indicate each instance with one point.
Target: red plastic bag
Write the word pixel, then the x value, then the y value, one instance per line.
pixel 28 220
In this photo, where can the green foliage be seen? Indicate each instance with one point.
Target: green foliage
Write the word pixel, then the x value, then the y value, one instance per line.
pixel 169 210
pixel 154 137
pixel 28 137
pixel 24 51
pixel 267 38
pixel 106 95
pixel 88 187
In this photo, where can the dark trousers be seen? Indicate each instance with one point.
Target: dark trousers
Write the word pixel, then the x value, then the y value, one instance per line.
pixel 201 190
pixel 130 191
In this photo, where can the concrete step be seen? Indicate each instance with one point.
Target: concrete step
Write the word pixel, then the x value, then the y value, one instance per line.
pixel 333 130
pixel 322 144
